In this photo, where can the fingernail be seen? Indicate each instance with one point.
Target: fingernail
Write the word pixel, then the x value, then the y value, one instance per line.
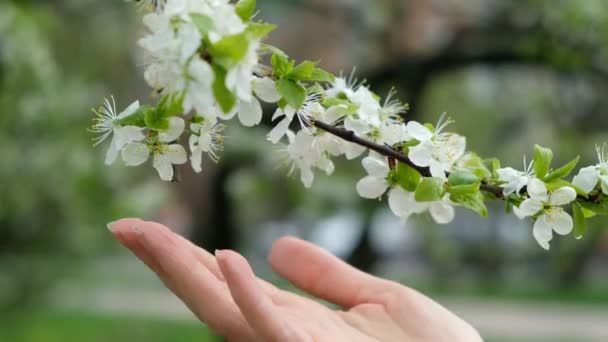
pixel 112 226
pixel 219 254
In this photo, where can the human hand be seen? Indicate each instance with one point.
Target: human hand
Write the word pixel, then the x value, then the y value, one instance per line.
pixel 223 292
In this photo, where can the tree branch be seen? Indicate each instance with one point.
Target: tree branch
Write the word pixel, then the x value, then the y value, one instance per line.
pixel 390 152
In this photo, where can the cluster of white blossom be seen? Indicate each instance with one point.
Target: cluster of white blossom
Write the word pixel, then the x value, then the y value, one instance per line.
pixel 203 61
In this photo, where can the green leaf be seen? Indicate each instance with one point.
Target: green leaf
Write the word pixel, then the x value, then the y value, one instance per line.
pixel 292 92
pixel 259 30
pixel 281 64
pixel 302 72
pixel 204 23
pixel 599 208
pixel 334 101
pixel 560 183
pixel 156 120
pixel 137 118
pixel 430 190
pixel 171 105
pixel 476 165
pixel 230 50
pixel 542 161
pixel 473 201
pixel 580 223
pixel 562 171
pixel 223 95
pixel 245 9
pixel 463 182
pixel 407 177
pixel 320 75
pixel 492 164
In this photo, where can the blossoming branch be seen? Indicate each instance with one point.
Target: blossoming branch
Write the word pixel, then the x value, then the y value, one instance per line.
pixel 203 59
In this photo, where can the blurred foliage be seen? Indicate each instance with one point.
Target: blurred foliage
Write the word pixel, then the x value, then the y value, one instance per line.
pixel 67 327
pixel 56 195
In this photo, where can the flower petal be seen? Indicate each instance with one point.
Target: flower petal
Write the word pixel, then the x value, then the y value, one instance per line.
pixel 376 165
pixel 307 176
pixel 176 128
pixel 418 131
pixel 127 134
pixel 562 196
pixel 265 89
pixel 537 189
pixel 133 107
pixel 529 207
pixel 442 212
pixel 560 221
pixel 164 167
pixel 371 187
pixel 420 156
pixel 587 178
pixel 250 113
pixel 135 154
pixel 542 232
pixel 112 153
pixel 196 160
pixel 176 154
pixel 353 151
pixel 279 131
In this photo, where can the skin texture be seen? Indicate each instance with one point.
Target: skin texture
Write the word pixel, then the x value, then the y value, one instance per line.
pixel 222 291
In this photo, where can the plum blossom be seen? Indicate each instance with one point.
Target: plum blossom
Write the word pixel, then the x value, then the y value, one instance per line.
pixel 588 177
pixel 165 154
pixel 402 203
pixel 303 156
pixel 436 150
pixel 548 206
pixel 515 180
pixel 207 137
pixel 107 123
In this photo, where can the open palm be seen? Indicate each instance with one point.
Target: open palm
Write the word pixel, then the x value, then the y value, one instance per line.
pixel 223 292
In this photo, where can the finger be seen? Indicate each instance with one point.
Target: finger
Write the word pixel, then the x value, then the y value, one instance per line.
pixel 126 235
pixel 207 297
pixel 323 275
pixel 259 311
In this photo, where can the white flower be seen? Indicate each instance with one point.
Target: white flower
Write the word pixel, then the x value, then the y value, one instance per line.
pixel 170 48
pixel 515 180
pixel 107 124
pixel 342 85
pixel 376 182
pixel 238 79
pixel 207 137
pixel 303 156
pixel 368 113
pixel 165 155
pixel 289 113
pixel 265 89
pixel 401 202
pixel 552 216
pixel 199 94
pixel 588 177
pixel 437 150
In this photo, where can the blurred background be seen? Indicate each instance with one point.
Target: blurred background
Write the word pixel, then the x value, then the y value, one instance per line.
pixel 512 73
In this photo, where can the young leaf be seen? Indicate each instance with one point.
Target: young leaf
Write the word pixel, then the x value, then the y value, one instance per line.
pixel 407 177
pixel 580 224
pixel 245 9
pixel 292 92
pixel 281 64
pixel 462 182
pixel 259 30
pixel 320 75
pixel 302 72
pixel 475 164
pixel 542 161
pixel 562 171
pixel 429 190
pixel 473 201
pixel 155 120
pixel 230 50
pixel 204 23
pixel 559 183
pixel 137 118
pixel 223 95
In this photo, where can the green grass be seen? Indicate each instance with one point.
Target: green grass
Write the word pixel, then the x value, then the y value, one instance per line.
pixel 67 327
